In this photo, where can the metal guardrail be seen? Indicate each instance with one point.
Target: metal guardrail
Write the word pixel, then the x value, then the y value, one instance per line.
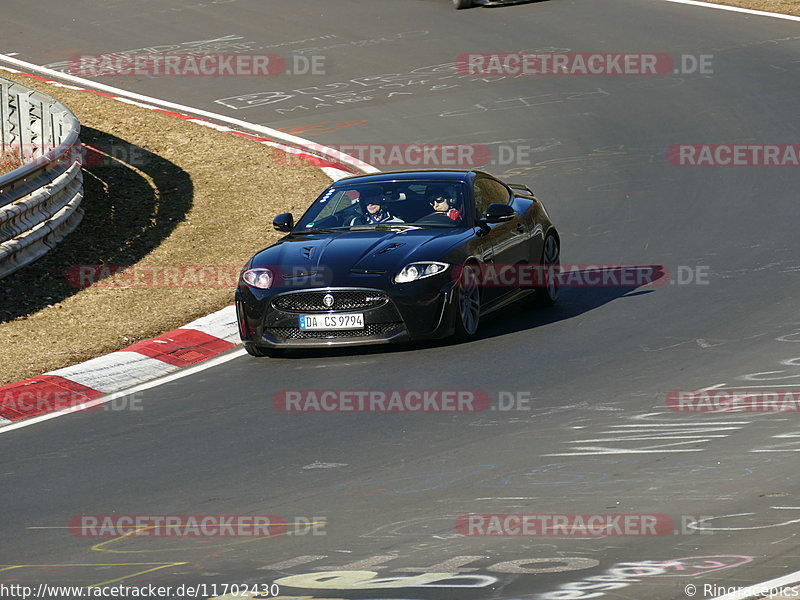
pixel 39 201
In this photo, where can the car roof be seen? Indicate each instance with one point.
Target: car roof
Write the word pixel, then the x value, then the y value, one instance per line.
pixel 439 175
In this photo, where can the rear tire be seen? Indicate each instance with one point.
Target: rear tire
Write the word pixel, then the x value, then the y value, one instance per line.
pixel 262 351
pixel 468 303
pixel 547 294
pixel 462 3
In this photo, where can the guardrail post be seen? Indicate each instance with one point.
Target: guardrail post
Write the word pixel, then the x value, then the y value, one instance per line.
pixel 39 201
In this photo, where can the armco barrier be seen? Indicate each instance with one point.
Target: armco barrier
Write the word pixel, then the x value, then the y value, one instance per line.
pixel 39 201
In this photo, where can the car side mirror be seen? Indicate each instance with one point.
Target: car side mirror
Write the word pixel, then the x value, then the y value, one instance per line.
pixel 283 222
pixel 499 213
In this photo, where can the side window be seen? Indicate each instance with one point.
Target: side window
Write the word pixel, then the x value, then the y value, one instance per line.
pixel 489 191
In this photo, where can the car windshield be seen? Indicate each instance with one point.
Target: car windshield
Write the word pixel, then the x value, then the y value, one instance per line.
pixel 392 205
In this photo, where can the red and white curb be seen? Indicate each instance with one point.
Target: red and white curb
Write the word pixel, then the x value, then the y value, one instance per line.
pixel 196 342
pixel 200 340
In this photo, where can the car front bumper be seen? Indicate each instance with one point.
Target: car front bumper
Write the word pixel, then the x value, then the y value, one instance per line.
pixel 421 309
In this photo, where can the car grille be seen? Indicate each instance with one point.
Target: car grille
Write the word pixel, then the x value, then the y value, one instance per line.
pixel 342 300
pixel 295 333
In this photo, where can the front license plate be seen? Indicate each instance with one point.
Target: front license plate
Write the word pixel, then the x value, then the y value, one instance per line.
pixel 330 322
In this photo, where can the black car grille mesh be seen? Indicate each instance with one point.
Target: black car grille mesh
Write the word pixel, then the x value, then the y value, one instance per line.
pixel 295 333
pixel 342 300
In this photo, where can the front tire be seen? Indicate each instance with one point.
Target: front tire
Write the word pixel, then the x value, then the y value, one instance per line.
pixel 468 303
pixel 547 294
pixel 462 3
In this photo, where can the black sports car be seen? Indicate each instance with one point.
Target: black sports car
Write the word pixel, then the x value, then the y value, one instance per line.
pixel 393 257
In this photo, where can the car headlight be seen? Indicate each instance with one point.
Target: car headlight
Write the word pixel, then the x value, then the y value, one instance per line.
pixel 420 270
pixel 258 278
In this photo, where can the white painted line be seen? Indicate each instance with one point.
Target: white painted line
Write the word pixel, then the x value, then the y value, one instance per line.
pixel 58 84
pixel 657 437
pixel 643 416
pixel 711 387
pixel 759 588
pixel 129 101
pixel 267 131
pixel 612 451
pixel 683 424
pixel 749 11
pixel 223 358
pixel 511 498
pixel 216 126
pixel 321 465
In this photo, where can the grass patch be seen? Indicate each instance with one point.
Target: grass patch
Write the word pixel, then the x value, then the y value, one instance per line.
pixel 158 191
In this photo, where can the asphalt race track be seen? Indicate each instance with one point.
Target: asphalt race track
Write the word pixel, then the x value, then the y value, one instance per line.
pixel 589 378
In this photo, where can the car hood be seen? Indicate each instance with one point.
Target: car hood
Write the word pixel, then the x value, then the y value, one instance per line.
pixel 369 251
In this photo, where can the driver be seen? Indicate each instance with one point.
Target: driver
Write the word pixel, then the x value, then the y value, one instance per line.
pixel 375 211
pixel 442 200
